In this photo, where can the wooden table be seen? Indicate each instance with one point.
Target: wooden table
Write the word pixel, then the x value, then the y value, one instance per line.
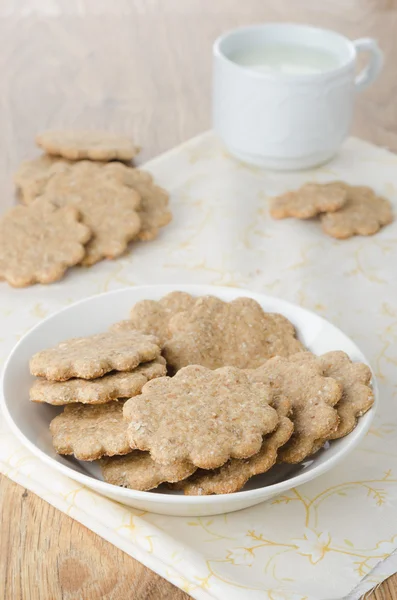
pixel 143 67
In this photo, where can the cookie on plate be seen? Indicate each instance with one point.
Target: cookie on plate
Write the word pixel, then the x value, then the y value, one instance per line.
pixel 115 385
pixel 153 316
pixel 139 471
pixel 313 398
pixel 240 333
pixel 95 355
pixel 354 378
pixel 233 475
pixel 90 432
pixel 201 416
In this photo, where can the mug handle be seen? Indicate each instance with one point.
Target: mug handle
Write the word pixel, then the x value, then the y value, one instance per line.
pixel 374 66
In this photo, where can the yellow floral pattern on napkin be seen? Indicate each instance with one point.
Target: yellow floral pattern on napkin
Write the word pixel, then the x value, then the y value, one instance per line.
pixel 315 542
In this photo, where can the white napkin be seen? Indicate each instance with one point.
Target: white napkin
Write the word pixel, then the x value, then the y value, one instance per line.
pixel 324 539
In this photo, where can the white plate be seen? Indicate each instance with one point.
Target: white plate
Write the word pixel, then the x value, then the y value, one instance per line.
pixel 30 421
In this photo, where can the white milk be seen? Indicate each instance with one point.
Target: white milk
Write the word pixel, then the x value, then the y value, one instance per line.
pixel 288 59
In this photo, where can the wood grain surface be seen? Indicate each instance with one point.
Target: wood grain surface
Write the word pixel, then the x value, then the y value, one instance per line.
pixel 141 67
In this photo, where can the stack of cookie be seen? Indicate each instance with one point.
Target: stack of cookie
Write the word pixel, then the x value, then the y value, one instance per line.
pixel 82 204
pixel 245 393
pixel 344 210
pixel 86 375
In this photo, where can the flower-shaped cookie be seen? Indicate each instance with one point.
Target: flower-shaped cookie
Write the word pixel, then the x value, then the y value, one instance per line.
pixel 201 416
pixel 153 210
pixel 94 356
pixel 107 206
pixel 32 176
pixel 214 333
pixel 153 316
pixel 39 242
pixel 357 395
pixel 364 213
pixel 95 145
pixel 234 474
pixel 312 398
pixel 90 432
pixel 113 386
pixel 310 200
pixel 138 471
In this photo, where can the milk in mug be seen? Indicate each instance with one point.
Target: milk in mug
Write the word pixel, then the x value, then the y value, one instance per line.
pixel 291 59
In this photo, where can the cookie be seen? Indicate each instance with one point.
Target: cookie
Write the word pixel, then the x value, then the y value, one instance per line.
pixel 214 333
pixel 90 432
pixel 32 176
pixel 363 214
pixel 234 474
pixel 201 416
pixel 97 391
pixel 312 398
pixel 153 210
pixel 107 207
pixel 153 316
pixel 308 201
pixel 94 145
pixel 138 471
pixel 357 395
pixel 38 243
pixel 94 356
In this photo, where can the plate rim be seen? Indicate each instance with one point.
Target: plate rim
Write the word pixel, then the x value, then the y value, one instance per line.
pixel 108 489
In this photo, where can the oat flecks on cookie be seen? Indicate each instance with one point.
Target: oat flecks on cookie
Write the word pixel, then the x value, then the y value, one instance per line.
pixel 214 333
pixel 308 201
pixel 108 208
pixel 201 416
pixel 90 432
pixel 364 213
pixel 94 356
pixel 94 145
pixel 153 210
pixel 357 395
pixel 139 471
pixel 39 242
pixel 234 474
pixel 313 398
pixel 32 176
pixel 153 316
pixel 113 386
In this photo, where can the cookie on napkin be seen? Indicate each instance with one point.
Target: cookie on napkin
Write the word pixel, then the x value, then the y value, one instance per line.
pixel 364 213
pixel 107 207
pixel 32 176
pixel 38 243
pixel 308 201
pixel 153 210
pixel 89 144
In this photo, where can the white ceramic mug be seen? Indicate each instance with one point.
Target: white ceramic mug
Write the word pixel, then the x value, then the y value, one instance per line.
pixel 287 120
